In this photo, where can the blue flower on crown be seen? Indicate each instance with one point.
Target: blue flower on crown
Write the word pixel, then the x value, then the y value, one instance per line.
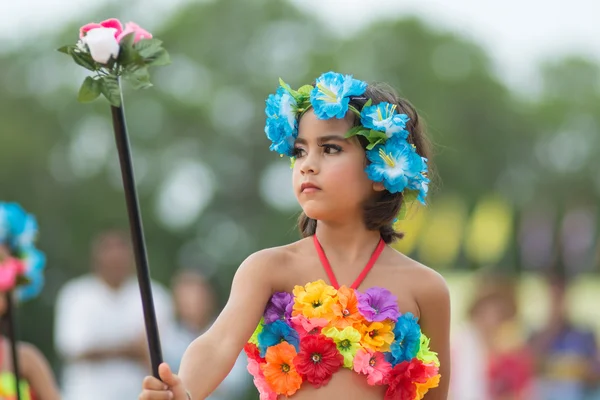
pixel 18 229
pixel 384 117
pixel 407 339
pixel 276 332
pixel 394 163
pixel 281 125
pixel 420 183
pixel 331 96
pixel 35 261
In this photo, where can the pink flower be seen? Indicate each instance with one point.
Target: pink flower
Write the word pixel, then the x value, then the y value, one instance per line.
pixel 265 391
pixel 109 23
pixel 140 33
pixel 305 326
pixel 373 365
pixel 10 269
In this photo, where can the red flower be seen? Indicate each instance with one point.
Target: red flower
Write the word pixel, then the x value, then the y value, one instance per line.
pixel 402 379
pixel 253 353
pixel 318 359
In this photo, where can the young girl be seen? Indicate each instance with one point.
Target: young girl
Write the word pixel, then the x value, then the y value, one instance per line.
pixel 340 314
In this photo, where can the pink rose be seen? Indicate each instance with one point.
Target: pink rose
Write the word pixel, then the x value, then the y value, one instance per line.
pixel 109 23
pixel 10 269
pixel 140 33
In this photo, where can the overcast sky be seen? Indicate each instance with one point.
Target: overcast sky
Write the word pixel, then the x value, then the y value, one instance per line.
pixel 517 33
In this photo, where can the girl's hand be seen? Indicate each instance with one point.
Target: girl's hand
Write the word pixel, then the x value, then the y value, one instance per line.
pixel 170 388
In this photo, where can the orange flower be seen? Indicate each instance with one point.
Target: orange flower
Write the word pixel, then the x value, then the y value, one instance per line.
pixel 280 372
pixel 423 388
pixel 377 336
pixel 314 300
pixel 345 310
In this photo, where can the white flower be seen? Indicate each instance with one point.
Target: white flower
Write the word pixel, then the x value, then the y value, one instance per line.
pixel 102 44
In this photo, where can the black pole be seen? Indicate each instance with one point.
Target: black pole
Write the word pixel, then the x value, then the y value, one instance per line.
pixel 11 321
pixel 137 235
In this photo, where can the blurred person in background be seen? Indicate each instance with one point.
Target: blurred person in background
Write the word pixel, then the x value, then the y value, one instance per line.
pixel 196 309
pixel 35 373
pixel 489 358
pixel 99 329
pixel 566 354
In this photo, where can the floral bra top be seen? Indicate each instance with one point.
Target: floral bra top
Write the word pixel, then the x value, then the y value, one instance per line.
pixel 309 335
pixel 8 390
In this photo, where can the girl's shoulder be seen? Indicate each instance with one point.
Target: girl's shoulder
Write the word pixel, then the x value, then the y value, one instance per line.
pixel 273 263
pixel 425 282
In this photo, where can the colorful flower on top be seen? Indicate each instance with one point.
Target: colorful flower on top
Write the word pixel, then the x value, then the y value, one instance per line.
pixel 347 341
pixel 346 310
pixel 378 336
pixel 331 96
pixel 407 342
pixel 279 307
pixel 264 390
pixel 308 326
pixel 425 354
pixel 314 300
pixel 280 371
pixel 404 377
pixel 259 328
pixel 252 352
pixel 275 333
pixel 378 304
pixel 384 117
pixel 373 365
pixel 395 163
pixel 8 387
pixel 318 359
pixel 423 388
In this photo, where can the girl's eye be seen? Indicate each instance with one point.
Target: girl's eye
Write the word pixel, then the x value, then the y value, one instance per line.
pixel 332 148
pixel 298 152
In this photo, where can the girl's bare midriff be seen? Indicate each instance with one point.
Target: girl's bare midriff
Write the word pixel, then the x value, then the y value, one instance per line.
pixel 344 385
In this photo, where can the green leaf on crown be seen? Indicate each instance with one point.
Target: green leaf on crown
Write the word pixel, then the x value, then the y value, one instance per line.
pixel 111 90
pixel 354 131
pixel 376 135
pixel 373 144
pixel 89 90
pixel 148 48
pixel 66 49
pixel 410 196
pixel 127 54
pixel 22 280
pixel 305 90
pixel 368 103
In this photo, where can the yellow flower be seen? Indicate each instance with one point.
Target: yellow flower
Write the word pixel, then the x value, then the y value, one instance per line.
pixel 378 336
pixel 426 355
pixel 314 300
pixel 347 342
pixel 254 338
pixel 423 388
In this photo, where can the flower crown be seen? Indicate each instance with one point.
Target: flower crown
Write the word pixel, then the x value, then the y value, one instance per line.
pixel 21 264
pixel 393 160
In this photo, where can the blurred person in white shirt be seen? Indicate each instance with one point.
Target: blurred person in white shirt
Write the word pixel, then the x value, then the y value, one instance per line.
pixel 196 309
pixel 99 328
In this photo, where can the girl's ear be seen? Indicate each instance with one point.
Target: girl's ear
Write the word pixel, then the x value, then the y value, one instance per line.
pixel 378 186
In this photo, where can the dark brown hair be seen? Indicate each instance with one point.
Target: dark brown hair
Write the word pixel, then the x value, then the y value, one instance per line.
pixel 381 213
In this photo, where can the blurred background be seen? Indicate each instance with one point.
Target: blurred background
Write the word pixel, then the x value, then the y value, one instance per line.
pixel 511 93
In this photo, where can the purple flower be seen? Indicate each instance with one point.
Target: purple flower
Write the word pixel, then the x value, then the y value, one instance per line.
pixel 378 304
pixel 279 308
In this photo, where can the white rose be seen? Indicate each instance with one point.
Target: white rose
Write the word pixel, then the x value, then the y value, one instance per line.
pixel 102 44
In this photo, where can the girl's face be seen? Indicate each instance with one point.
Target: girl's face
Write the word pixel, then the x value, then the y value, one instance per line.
pixel 329 178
